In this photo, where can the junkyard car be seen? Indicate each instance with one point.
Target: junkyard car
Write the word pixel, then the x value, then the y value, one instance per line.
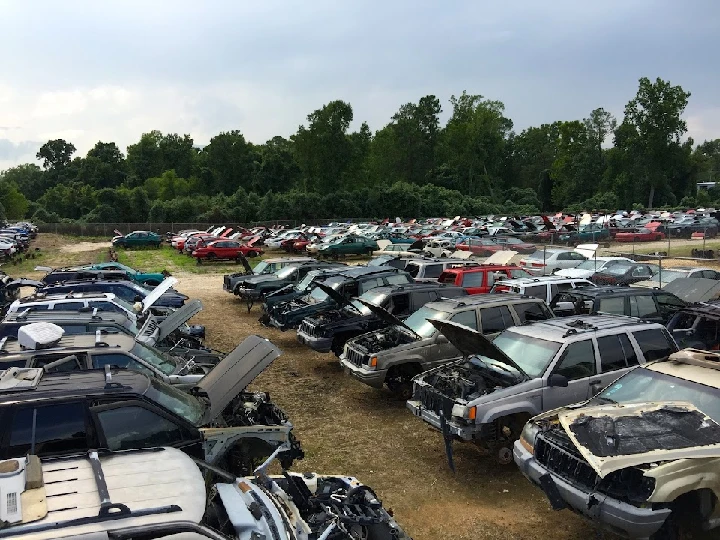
pixel 545 262
pixel 264 267
pixel 545 287
pixel 138 239
pixel 488 396
pixel 641 457
pixel 146 278
pixel 127 290
pixel 348 245
pixel 108 496
pixel 587 268
pixel 586 233
pixel 480 279
pixel 639 235
pixel 225 250
pixel 394 355
pixel 330 330
pixel 624 273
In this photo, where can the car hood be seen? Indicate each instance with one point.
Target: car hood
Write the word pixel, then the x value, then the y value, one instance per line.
pixel 24 282
pixel 157 292
pixel 694 289
pixel 574 273
pixel 385 316
pixel 262 278
pixel 234 373
pixel 154 331
pixel 617 436
pixel 471 343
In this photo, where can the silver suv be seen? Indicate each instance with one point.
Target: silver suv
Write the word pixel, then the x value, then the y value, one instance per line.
pixel 394 355
pixel 540 287
pixel 489 395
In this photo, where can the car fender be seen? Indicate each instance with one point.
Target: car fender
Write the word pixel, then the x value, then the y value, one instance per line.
pixel 399 361
pixel 506 409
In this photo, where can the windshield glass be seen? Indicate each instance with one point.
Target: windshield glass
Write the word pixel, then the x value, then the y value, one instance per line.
pixel 305 283
pixel 533 355
pixel 670 275
pixel 177 401
pixel 418 321
pixel 285 273
pixel 166 366
pixel 260 267
pixel 617 269
pixel 641 385
pixel 591 264
pixel 371 297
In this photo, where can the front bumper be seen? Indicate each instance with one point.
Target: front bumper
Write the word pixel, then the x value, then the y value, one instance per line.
pixel 374 378
pixel 612 514
pixel 248 294
pixel 319 344
pixel 465 433
pixel 280 325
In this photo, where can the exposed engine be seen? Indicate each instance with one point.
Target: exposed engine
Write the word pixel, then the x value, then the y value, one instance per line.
pixel 383 340
pixel 328 316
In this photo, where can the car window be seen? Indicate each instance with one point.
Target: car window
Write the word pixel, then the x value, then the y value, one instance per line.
pixel 368 284
pixel 612 353
pixel 654 344
pixel 71 365
pixel 668 303
pixel 536 291
pixel 107 306
pixel 131 427
pixel 433 270
pixel 99 361
pixel 564 256
pixel 448 277
pixel 518 274
pixel 401 304
pixel 578 361
pixel 495 319
pixel 397 279
pixel 710 274
pixel 475 279
pixel 577 256
pixel 643 306
pixel 532 311
pixel 613 306
pixel 58 428
pixel 466 318
pixel 641 271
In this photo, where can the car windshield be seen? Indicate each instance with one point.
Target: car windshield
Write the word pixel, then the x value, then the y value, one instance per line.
pixel 165 365
pixel 304 285
pixel 285 273
pixel 260 267
pixel 617 269
pixel 418 321
pixel 177 401
pixel 592 264
pixel 371 297
pixel 670 275
pixel 532 354
pixel 645 385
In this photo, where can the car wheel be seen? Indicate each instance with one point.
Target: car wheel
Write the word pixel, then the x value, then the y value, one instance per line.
pixel 252 254
pixel 399 380
pixel 335 256
pixel 211 256
pixel 369 251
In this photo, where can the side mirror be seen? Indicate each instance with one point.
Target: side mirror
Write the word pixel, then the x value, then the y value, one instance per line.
pixel 557 380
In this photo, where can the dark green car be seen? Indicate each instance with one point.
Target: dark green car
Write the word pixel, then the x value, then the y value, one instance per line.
pixel 349 245
pixel 138 239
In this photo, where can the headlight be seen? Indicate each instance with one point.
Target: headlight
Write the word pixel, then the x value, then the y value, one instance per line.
pixel 527 437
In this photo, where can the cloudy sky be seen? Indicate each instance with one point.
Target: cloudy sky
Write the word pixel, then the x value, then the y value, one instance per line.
pixel 86 70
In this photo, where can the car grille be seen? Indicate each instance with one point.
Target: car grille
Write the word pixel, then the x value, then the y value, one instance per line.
pixel 557 453
pixel 355 357
pixel 309 329
pixel 434 401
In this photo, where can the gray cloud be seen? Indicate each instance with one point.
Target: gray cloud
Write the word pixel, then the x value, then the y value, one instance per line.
pixel 12 152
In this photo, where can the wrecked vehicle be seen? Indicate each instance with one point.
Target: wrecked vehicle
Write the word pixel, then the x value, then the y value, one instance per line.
pixel 349 283
pixel 266 266
pixel 330 330
pixel 218 420
pixel 641 457
pixel 697 326
pixel 108 498
pixel 394 355
pixel 487 397
pixel 252 289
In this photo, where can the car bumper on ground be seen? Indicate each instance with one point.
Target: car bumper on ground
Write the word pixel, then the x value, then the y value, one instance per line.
pixel 319 344
pixel 609 513
pixel 374 378
pixel 280 325
pixel 465 433
pixel 248 294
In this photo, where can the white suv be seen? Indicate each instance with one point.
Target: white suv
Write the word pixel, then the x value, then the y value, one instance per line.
pixel 544 288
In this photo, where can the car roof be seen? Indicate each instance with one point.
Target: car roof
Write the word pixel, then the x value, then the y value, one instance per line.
pixel 610 290
pixel 43 297
pixel 452 304
pixel 288 260
pixel 83 315
pixel 701 367
pixel 541 280
pixel 563 328
pixel 106 343
pixel 359 271
pixel 80 384
pixel 413 287
pixel 71 282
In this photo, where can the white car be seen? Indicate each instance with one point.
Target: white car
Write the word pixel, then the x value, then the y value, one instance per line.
pixel 545 262
pixel 587 268
pixel 274 243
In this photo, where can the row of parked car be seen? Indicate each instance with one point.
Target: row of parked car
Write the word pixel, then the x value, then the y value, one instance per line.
pixel 117 421
pixel 505 370
pixel 15 238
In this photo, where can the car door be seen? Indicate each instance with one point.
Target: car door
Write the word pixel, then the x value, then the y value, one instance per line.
pixel 472 282
pixel 494 320
pixel 578 364
pixel 617 356
pixel 644 307
pixel 561 261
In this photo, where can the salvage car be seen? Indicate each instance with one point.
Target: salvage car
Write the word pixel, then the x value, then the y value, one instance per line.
pixel 639 235
pixel 120 409
pixel 264 267
pixel 547 261
pixel 350 282
pixel 137 239
pixel 228 250
pixel 544 288
pixel 625 273
pixel 487 397
pixel 480 279
pixel 330 330
pixel 348 245
pixel 127 290
pixel 108 497
pixel 697 326
pixel 394 355
pixel 144 278
pixel 641 457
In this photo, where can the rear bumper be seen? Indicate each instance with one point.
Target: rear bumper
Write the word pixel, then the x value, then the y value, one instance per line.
pixel 319 344
pixel 609 513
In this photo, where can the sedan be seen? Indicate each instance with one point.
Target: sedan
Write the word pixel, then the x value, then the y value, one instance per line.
pixel 625 274
pixel 545 262
pixel 229 250
pixel 640 235
pixel 514 244
pixel 138 239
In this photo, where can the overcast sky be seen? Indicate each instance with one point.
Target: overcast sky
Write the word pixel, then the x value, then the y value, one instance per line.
pixel 99 70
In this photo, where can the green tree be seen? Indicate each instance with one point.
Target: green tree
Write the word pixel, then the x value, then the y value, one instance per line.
pixel 13 201
pixel 56 154
pixel 232 162
pixel 29 178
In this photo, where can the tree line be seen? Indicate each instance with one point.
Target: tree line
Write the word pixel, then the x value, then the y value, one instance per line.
pixel 414 166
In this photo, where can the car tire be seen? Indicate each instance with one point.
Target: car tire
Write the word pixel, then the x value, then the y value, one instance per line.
pixel 335 256
pixel 252 254
pixel 369 252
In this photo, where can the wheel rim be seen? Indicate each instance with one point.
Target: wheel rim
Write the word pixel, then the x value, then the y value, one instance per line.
pixel 504 455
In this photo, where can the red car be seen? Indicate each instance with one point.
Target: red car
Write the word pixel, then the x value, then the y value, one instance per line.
pixel 641 235
pixel 225 250
pixel 480 279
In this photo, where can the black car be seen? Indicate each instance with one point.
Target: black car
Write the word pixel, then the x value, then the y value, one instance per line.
pixel 127 290
pixel 60 276
pixel 648 304
pixel 330 330
pixel 697 326
pixel 349 283
pixel 625 273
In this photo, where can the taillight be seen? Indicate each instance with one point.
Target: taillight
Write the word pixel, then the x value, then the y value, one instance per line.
pixel 523 263
pixel 501 288
pixel 538 265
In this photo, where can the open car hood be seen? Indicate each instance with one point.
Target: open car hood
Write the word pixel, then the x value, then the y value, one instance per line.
pixel 385 316
pixel 617 436
pixel 471 342
pixel 234 373
pixel 332 293
pixel 24 282
pixel 154 331
pixel 157 292
pixel 694 289
pixel 500 257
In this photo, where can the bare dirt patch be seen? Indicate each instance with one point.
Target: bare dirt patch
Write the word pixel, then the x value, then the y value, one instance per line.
pixel 82 247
